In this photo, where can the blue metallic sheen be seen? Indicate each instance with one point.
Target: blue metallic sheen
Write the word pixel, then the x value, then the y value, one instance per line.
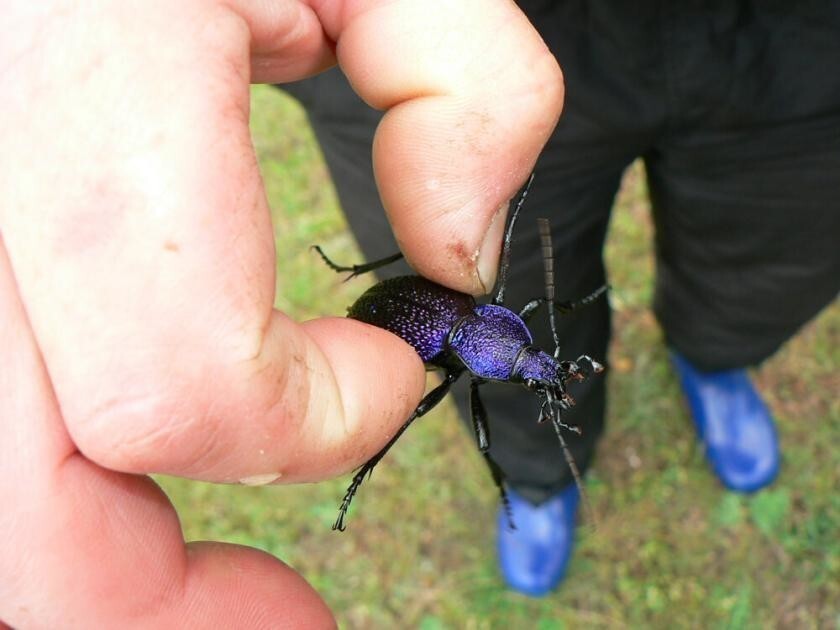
pixel 533 363
pixel 415 309
pixel 734 425
pixel 488 341
pixel 533 557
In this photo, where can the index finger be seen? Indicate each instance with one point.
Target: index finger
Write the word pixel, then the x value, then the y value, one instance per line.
pixel 472 94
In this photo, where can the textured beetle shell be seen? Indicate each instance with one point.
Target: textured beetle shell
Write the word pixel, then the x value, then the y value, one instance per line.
pixel 489 340
pixel 415 309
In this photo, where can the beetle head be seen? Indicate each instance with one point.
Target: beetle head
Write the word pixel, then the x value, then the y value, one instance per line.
pixel 536 369
pixel 543 375
pixel 547 377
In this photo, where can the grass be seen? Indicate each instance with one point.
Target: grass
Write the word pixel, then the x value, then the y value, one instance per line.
pixel 672 549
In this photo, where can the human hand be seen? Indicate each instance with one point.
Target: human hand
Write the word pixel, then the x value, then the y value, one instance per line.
pixel 137 278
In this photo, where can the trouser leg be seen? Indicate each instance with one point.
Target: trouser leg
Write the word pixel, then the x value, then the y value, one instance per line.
pixel 748 241
pixel 745 182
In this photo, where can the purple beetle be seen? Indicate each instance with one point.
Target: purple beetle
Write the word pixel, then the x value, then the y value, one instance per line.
pixel 453 333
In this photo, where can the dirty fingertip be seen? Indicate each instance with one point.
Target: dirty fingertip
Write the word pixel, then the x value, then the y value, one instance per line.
pixel 487 263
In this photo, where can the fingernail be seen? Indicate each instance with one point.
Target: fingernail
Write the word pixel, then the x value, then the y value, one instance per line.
pixel 487 264
pixel 260 480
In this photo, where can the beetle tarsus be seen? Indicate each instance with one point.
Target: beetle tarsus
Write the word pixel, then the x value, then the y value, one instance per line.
pixel 428 403
pixel 564 307
pixel 358 478
pixel 357 270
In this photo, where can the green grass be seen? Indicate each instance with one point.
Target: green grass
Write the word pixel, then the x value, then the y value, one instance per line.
pixel 671 550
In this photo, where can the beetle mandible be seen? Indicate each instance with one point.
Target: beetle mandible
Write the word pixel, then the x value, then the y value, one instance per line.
pixel 490 342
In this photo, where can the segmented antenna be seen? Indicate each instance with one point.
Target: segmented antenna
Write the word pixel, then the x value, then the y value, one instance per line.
pixel 554 405
pixel 555 422
pixel 548 263
pixel 504 259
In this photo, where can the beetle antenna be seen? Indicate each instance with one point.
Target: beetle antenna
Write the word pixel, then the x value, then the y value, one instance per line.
pixel 504 258
pixel 548 263
pixel 555 421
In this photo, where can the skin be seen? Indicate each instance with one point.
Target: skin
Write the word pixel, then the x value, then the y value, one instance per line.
pixel 137 277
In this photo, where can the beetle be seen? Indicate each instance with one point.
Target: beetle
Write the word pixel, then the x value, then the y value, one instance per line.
pixel 451 332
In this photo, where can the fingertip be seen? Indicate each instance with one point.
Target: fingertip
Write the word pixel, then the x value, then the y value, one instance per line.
pixel 462 130
pixel 236 586
pixel 380 379
pixel 488 254
pixel 288 42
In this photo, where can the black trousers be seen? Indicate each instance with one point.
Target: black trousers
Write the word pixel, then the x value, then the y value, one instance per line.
pixel 735 109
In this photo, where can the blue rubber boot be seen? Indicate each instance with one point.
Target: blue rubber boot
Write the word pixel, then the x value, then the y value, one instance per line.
pixel 734 425
pixel 534 556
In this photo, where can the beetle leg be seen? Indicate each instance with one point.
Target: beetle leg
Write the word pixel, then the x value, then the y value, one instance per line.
pixel 545 412
pixel 428 403
pixel 482 434
pixel 356 270
pixel 499 479
pixel 571 305
pixel 555 404
pixel 479 416
pixel 530 308
pixel 564 307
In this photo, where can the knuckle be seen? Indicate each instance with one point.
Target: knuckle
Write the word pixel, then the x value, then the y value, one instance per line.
pixel 544 87
pixel 143 432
